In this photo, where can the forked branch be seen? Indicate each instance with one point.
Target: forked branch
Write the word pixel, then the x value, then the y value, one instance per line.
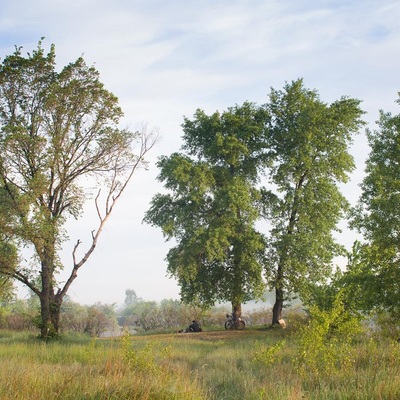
pixel 147 142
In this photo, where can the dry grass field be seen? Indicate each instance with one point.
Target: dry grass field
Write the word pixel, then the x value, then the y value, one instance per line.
pixel 211 365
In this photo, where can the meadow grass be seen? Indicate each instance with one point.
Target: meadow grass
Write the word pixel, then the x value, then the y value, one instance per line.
pixel 214 365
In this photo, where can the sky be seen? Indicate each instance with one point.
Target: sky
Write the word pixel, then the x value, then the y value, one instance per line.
pixel 165 59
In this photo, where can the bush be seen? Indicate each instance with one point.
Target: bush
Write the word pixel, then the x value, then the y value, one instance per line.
pixel 94 320
pixel 325 343
pixel 18 315
pixel 386 326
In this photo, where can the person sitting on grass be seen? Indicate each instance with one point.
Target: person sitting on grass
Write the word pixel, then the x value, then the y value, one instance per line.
pixel 193 327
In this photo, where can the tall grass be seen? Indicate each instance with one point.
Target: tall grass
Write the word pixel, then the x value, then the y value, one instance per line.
pixel 252 364
pixel 90 369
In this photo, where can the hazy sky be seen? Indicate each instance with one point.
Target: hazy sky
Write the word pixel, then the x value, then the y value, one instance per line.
pixel 165 59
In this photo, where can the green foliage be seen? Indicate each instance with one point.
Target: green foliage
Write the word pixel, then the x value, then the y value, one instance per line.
pixel 7 290
pixel 212 206
pixel 325 343
pixel 93 320
pixel 149 315
pixel 18 315
pixel 309 144
pixel 148 359
pixel 145 315
pixel 356 284
pixel 377 215
pixel 214 200
pixel 386 326
pixel 267 355
pixel 58 127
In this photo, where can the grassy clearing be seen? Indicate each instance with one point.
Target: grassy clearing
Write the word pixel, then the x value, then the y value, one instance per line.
pixel 220 365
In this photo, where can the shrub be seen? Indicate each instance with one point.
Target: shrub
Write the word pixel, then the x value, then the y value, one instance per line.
pixel 266 355
pixel 325 343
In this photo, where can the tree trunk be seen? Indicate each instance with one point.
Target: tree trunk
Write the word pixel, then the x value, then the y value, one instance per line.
pixel 279 283
pixel 49 303
pixel 45 325
pixel 45 317
pixel 236 311
pixel 279 296
pixel 278 306
pixel 50 315
pixel 55 308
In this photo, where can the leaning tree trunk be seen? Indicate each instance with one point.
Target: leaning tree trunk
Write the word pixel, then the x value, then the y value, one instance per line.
pixel 279 283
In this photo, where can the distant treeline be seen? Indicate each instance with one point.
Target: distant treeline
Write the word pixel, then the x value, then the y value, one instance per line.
pixel 138 315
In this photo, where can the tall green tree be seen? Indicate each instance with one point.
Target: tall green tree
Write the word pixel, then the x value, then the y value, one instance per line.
pixel 57 130
pixel 210 208
pixel 309 142
pixel 377 215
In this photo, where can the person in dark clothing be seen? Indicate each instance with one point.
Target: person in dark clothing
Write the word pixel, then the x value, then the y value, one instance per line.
pixel 194 327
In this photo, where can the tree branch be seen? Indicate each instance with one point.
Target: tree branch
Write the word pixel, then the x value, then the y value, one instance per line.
pixel 147 142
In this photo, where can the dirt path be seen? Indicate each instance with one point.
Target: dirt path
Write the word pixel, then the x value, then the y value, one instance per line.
pixel 205 335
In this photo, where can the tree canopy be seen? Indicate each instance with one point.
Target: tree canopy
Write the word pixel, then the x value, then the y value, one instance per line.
pixel 57 130
pixel 309 145
pixel 297 145
pixel 212 206
pixel 377 216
